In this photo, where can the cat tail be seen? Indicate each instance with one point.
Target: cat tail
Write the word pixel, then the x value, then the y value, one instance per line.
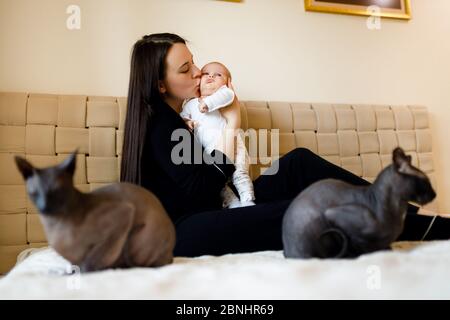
pixel 126 256
pixel 335 243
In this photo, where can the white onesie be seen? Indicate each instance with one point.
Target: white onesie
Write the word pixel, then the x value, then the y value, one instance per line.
pixel 210 127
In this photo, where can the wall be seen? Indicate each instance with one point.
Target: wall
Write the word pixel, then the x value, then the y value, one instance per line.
pixel 275 50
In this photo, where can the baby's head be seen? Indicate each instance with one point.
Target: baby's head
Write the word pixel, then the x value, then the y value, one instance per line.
pixel 214 75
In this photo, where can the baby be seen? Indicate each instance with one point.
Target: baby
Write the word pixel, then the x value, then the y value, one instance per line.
pixel 203 115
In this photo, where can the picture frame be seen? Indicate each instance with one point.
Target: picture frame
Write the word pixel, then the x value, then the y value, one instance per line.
pixel 395 9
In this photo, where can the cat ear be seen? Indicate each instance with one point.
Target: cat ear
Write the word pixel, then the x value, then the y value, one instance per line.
pixel 25 168
pixel 409 158
pixel 401 161
pixel 69 163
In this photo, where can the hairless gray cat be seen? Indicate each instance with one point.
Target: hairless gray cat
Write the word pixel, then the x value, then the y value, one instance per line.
pixel 117 226
pixel 333 219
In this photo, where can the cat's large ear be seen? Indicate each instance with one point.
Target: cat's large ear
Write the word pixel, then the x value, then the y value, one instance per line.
pixel 25 168
pixel 69 163
pixel 401 161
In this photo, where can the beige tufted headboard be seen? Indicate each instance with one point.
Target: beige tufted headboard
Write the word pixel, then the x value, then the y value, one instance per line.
pixel 45 128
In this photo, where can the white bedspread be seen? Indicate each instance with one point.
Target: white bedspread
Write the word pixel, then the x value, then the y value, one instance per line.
pixel 411 271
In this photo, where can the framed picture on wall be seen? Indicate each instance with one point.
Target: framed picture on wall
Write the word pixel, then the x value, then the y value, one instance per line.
pixel 397 9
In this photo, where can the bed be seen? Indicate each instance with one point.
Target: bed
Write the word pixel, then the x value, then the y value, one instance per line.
pixel 412 270
pixel 45 128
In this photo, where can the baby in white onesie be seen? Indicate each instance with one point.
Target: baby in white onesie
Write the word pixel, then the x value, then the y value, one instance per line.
pixel 210 125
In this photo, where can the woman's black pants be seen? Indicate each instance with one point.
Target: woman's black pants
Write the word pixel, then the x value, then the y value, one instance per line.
pixel 258 228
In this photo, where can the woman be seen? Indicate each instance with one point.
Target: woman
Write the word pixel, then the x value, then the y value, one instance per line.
pixel 162 76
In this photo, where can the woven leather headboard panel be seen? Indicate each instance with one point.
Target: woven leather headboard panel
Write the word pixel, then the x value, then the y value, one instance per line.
pixel 45 128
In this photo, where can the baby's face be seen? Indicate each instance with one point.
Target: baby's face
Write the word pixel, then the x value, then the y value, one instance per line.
pixel 213 77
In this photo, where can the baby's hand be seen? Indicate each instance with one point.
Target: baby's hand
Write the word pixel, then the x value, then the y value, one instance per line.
pixel 202 107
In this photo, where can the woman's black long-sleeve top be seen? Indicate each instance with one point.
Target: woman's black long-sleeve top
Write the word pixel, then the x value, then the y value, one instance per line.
pixel 187 187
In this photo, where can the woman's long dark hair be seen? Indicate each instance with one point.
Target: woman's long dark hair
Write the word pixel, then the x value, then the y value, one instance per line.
pixel 147 68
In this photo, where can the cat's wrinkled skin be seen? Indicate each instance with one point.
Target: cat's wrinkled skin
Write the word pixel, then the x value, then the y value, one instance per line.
pixel 332 218
pixel 117 226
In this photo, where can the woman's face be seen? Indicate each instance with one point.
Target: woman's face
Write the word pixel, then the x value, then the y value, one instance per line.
pixel 182 79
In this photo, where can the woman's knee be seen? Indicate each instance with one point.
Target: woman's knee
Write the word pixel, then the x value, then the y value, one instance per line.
pixel 303 153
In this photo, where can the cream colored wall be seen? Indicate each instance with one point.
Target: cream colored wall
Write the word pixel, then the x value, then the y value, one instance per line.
pixel 275 50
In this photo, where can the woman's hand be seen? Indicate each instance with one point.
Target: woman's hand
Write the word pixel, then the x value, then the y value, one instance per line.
pixel 232 114
pixel 230 85
pixel 191 124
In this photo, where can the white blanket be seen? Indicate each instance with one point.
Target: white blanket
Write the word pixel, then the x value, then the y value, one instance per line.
pixel 410 271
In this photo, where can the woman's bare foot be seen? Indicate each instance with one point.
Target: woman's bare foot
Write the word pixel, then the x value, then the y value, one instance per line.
pixel 427 212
